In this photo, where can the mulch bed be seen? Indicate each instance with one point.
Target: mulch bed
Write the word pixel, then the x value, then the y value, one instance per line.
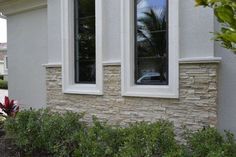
pixel 8 148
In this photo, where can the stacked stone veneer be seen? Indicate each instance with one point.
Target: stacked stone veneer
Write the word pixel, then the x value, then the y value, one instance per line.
pixel 196 106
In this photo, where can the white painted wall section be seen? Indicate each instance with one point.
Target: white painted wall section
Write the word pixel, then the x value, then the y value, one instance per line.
pixel 196 23
pixel 112 30
pixel 27 51
pixel 54 32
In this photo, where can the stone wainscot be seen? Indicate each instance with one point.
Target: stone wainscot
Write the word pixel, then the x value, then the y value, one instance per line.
pixel 195 108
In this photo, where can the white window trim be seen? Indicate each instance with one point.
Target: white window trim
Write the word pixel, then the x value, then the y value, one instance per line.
pixel 67 23
pixel 127 55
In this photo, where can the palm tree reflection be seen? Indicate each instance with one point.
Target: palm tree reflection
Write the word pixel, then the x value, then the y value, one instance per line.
pixel 85 44
pixel 151 41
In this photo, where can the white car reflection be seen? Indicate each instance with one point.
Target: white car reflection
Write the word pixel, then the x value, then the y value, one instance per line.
pixel 151 77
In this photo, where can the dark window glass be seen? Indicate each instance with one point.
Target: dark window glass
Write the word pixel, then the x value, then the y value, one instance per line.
pixel 84 31
pixel 151 46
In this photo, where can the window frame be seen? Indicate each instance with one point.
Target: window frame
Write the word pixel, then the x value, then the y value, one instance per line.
pixel 128 86
pixel 67 35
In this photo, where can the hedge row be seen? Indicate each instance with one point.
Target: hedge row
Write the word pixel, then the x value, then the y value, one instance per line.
pixel 66 135
pixel 3 84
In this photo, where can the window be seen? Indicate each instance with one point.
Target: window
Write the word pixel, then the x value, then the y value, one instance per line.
pixel 150 47
pixel 151 35
pixel 82 47
pixel 85 45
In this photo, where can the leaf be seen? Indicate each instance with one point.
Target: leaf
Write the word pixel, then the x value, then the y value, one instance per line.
pixel 225 14
pixel 7 101
pixel 229 36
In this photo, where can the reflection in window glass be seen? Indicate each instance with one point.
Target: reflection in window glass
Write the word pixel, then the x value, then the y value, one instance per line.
pixel 84 30
pixel 151 35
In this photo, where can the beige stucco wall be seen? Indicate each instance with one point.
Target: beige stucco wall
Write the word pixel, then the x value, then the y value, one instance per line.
pixel 195 108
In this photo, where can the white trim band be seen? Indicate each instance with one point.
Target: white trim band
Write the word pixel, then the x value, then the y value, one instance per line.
pixel 52 65
pixel 107 63
pixel 200 60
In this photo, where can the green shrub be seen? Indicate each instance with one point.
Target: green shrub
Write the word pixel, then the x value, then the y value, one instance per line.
pixel 43 131
pixel 143 139
pixel 208 142
pixel 139 139
pixel 99 140
pixel 3 84
pixel 58 132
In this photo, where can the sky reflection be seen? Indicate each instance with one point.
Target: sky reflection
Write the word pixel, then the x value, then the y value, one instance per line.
pixel 157 4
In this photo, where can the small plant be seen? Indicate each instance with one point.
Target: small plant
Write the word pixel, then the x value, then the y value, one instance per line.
pixel 10 107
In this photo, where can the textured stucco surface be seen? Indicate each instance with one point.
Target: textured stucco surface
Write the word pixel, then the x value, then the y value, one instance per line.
pixel 195 108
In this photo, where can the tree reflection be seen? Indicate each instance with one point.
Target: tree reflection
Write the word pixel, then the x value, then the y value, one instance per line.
pixel 152 39
pixel 85 41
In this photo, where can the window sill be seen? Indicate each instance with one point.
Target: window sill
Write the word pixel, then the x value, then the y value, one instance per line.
pixel 151 91
pixel 83 89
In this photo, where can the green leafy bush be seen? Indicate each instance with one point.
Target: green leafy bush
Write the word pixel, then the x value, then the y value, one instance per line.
pixel 3 84
pixel 210 143
pixel 1 77
pixel 65 135
pixel 143 139
pixel 99 140
pixel 44 132
pixel 139 139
